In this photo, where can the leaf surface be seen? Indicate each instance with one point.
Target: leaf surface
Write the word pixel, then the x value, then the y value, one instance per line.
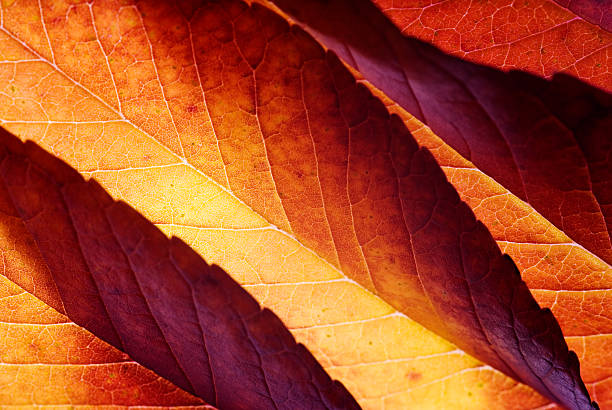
pixel 393 362
pixel 546 141
pixel 118 275
pixel 47 360
pixel 292 147
pixel 536 36
pixel 385 358
pixel 562 275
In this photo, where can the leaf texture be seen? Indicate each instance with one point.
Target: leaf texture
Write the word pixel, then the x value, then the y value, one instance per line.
pixel 536 36
pixel 394 363
pixel 118 275
pixel 48 361
pixel 594 11
pixel 518 129
pixel 286 137
pixel 561 273
pixel 564 276
pixel 386 360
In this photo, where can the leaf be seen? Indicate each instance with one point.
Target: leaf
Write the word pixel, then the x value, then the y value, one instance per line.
pixel 118 275
pixel 594 11
pixel 518 129
pixel 563 276
pixel 181 99
pixel 49 360
pixel 404 351
pixel 537 36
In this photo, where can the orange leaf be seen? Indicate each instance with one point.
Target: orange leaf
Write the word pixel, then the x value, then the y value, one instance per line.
pixel 538 36
pixel 49 360
pixel 238 124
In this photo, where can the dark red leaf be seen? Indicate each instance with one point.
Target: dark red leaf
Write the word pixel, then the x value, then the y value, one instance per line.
pixel 594 11
pixel 114 273
pixel 548 142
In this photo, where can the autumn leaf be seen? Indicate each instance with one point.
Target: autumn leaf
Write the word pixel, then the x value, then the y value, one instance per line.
pixel 240 135
pixel 118 275
pixel 49 360
pixel 538 36
pixel 562 275
pixel 115 289
pixel 34 184
pixel 517 129
pixel 568 163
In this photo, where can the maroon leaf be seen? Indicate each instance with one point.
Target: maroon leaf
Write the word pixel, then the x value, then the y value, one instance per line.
pixel 594 11
pixel 117 275
pixel 548 142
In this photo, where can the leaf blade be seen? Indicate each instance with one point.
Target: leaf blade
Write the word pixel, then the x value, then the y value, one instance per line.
pixel 39 184
pixel 508 125
pixel 313 240
pixel 563 276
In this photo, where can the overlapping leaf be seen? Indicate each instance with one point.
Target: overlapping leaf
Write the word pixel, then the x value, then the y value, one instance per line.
pixel 547 142
pixel 565 156
pixel 116 274
pixel 392 353
pixel 234 94
pixel 47 360
pixel 564 276
pixel 393 362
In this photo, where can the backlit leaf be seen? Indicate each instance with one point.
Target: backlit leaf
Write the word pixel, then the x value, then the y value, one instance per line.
pixel 115 273
pixel 538 36
pixel 47 360
pixel 239 134
pixel 562 275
